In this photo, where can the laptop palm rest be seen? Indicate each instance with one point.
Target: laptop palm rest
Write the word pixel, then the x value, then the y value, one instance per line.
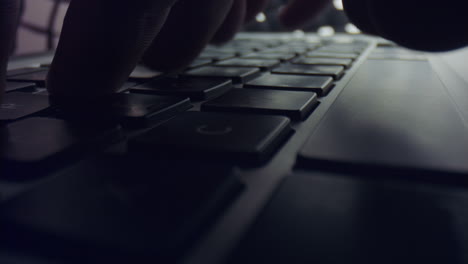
pixel 331 219
pixel 393 116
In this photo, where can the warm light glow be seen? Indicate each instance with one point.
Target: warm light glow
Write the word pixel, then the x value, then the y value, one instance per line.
pixel 326 31
pixel 260 17
pixel 352 29
pixel 338 4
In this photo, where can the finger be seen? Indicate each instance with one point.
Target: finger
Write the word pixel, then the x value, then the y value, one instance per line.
pixel 8 17
pixel 253 8
pixel 359 14
pixel 232 24
pixel 189 27
pixel 298 12
pixel 100 44
pixel 421 24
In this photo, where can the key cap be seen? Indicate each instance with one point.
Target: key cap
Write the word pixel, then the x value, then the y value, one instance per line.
pixel 201 135
pixel 119 210
pixel 318 54
pixel 37 77
pixel 269 56
pixel 36 143
pixel 18 105
pixel 126 86
pixel 237 74
pixel 142 72
pixel 318 84
pixel 243 46
pixel 197 88
pixel 324 61
pixel 238 62
pixel 334 71
pixel 199 62
pixel 341 48
pixel 17 86
pixel 215 55
pixel 296 105
pixel 232 51
pixel 286 50
pixel 21 71
pixel 132 110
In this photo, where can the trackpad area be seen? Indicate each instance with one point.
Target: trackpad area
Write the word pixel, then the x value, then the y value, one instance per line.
pixel 393 115
pixel 333 219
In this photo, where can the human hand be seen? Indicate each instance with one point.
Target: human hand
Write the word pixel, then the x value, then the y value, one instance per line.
pixel 102 40
pixel 417 24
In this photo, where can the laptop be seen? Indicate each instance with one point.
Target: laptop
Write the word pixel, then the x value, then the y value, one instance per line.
pixel 274 148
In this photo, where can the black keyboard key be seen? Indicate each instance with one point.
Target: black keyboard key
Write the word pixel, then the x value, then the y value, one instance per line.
pixel 318 84
pixel 270 56
pixel 324 61
pixel 237 74
pixel 321 70
pixel 197 88
pixel 36 143
pixel 296 105
pixel 18 105
pixel 37 77
pixel 319 54
pixel 41 91
pixel 199 62
pixel 285 50
pixel 119 210
pixel 199 135
pixel 216 55
pixel 126 86
pixel 132 110
pixel 232 51
pixel 238 62
pixel 141 72
pixel 342 48
pixel 21 71
pixel 17 86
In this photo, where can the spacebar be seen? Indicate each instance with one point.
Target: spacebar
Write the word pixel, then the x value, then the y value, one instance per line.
pixel 401 122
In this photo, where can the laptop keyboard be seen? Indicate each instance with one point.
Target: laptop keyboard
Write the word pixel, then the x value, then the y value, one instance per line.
pixel 246 76
pixel 237 104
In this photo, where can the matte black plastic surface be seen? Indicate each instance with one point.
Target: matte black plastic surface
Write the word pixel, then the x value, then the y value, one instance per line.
pixel 237 74
pixel 13 86
pixel 117 210
pixel 270 56
pixel 37 77
pixel 318 84
pixel 259 63
pixel 20 71
pixel 224 136
pixel 296 105
pixel 18 105
pixel 324 61
pixel 321 70
pixel 216 56
pixel 132 110
pixel 323 54
pixel 197 88
pixel 38 142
